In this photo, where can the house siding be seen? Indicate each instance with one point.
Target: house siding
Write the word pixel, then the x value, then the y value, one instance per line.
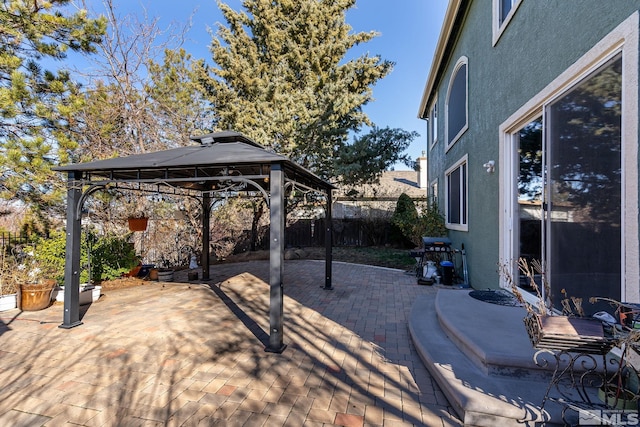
pixel 541 41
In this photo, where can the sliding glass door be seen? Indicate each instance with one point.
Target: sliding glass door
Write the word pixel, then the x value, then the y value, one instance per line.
pixel 570 186
pixel 530 192
pixel 584 234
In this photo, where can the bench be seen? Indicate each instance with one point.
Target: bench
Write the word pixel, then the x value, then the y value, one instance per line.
pixel 586 380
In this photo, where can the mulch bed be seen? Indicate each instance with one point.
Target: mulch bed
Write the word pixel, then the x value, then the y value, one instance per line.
pixel 121 283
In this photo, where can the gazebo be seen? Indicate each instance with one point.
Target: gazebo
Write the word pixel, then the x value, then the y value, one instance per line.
pixel 220 161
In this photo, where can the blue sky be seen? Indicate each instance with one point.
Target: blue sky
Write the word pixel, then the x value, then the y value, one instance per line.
pixel 409 31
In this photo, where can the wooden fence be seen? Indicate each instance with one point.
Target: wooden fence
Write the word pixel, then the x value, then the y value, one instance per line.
pixel 346 232
pixel 309 233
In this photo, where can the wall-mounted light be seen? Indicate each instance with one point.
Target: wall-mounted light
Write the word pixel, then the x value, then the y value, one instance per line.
pixel 490 166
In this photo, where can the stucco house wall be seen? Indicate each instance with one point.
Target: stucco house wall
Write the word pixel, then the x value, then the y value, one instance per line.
pixel 542 40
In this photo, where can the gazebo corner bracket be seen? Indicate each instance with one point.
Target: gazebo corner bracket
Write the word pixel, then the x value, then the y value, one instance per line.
pixel 85 195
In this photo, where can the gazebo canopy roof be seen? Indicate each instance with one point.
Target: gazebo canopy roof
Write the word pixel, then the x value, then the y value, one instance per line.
pixel 218 157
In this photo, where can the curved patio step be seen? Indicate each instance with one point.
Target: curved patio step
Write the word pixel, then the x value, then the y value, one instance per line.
pixel 480 355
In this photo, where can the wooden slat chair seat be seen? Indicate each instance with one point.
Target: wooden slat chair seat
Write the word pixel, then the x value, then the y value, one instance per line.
pixel 572 334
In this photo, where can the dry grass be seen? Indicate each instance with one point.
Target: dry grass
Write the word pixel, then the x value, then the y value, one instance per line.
pixel 378 256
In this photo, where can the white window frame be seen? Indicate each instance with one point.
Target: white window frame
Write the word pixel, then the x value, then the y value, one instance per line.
pixel 626 39
pixel 499 26
pixel 464 207
pixel 433 187
pixel 433 123
pixel 463 61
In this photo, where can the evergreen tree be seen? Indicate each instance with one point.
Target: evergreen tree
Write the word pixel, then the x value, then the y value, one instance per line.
pixel 405 217
pixel 414 225
pixel 363 161
pixel 38 106
pixel 178 106
pixel 282 77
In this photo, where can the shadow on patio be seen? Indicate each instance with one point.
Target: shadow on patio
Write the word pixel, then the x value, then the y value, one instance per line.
pixel 182 354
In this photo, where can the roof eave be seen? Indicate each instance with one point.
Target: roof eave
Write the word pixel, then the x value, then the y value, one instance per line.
pixel 446 33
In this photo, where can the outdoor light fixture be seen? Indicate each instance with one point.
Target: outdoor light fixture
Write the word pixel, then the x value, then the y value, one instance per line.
pixel 490 166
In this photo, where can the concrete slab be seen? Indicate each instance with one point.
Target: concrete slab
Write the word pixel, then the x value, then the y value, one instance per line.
pixel 492 336
pixel 480 355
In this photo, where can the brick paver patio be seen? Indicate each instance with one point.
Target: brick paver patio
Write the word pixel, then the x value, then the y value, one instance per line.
pixel 180 354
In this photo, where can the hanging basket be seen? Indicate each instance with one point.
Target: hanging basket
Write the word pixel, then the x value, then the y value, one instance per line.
pixel 138 224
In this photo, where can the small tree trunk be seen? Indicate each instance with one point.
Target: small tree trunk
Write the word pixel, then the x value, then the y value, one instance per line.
pixel 258 211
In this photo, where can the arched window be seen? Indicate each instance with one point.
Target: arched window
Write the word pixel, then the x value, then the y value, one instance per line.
pixel 457 102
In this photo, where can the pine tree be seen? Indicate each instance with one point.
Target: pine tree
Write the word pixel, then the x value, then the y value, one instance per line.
pixel 405 217
pixel 37 105
pixel 364 160
pixel 178 107
pixel 282 77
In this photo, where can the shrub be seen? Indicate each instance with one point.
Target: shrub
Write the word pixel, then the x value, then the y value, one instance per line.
pixel 111 256
pixel 49 254
pixel 414 225
pixel 405 217
pixel 430 223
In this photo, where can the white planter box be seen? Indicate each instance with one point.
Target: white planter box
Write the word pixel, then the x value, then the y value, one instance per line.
pixel 88 294
pixel 8 302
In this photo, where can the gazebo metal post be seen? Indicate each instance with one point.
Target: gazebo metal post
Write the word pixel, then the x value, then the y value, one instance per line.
pixel 276 260
pixel 206 226
pixel 71 316
pixel 328 243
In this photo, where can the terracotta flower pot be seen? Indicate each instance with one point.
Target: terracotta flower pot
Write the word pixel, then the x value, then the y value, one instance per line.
pixel 138 224
pixel 35 296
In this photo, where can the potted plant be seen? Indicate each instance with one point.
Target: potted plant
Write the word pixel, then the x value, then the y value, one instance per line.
pixel 35 281
pixel 35 295
pixel 88 293
pixel 103 257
